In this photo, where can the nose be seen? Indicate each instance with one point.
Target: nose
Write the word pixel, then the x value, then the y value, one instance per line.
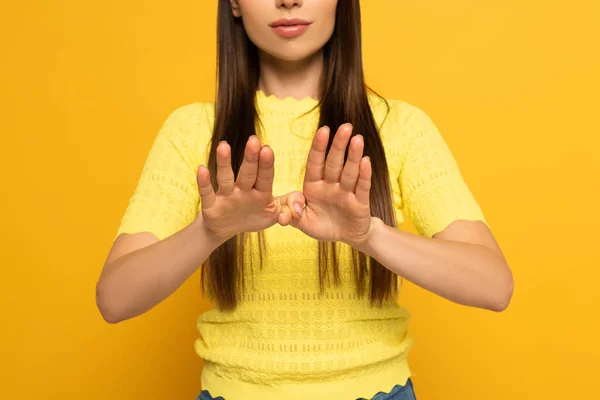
pixel 288 3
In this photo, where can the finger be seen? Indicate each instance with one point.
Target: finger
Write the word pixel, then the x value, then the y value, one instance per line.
pixel 249 169
pixel 225 177
pixel 292 206
pixel 207 193
pixel 266 170
pixel 351 169
pixel 316 158
pixel 300 222
pixel 363 187
pixel 285 216
pixel 335 159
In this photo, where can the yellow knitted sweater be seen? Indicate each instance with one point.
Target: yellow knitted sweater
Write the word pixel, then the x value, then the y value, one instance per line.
pixel 285 340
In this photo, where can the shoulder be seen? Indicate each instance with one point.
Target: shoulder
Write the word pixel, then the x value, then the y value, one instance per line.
pixel 403 126
pixel 192 117
pixel 188 129
pixel 191 123
pixel 399 116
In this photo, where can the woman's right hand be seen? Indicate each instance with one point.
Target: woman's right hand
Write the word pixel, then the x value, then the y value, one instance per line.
pixel 248 204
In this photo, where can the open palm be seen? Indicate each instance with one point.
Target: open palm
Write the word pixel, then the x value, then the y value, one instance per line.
pixel 337 195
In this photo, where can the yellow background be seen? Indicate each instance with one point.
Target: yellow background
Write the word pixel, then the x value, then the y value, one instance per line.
pixel 512 85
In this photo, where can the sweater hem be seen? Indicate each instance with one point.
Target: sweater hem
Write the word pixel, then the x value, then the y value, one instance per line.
pixel 365 386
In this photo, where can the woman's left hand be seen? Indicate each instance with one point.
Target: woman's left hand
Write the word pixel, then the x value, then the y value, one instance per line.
pixel 337 195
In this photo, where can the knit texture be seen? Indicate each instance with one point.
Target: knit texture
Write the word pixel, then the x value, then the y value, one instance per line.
pixel 285 339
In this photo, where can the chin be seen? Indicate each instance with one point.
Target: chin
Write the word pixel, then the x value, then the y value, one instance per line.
pixel 293 53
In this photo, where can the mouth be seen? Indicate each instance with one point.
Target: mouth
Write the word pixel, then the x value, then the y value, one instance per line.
pixel 289 22
pixel 290 27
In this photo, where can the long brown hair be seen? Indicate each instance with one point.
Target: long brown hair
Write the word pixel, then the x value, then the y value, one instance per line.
pixel 343 98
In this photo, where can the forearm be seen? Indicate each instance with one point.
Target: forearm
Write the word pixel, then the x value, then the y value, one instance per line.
pixel 465 273
pixel 135 282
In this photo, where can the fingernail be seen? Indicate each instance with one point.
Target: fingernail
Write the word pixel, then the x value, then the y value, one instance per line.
pixel 298 209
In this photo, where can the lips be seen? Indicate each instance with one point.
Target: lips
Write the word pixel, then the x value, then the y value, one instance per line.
pixel 290 27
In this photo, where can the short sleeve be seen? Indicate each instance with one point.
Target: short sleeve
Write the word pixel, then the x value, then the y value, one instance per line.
pixel 434 191
pixel 166 198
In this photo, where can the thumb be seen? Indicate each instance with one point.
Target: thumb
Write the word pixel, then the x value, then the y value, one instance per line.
pixel 292 207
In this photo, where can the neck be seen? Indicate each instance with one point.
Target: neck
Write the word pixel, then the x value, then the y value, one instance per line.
pixel 297 79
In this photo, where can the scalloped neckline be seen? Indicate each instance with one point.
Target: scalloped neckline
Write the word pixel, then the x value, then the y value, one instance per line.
pixel 289 104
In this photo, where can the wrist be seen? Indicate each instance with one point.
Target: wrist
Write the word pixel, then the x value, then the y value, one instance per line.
pixel 366 245
pixel 211 238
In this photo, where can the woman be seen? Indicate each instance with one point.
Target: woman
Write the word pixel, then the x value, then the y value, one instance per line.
pixel 296 228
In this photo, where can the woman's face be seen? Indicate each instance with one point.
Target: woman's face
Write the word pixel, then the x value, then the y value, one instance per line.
pixel 289 30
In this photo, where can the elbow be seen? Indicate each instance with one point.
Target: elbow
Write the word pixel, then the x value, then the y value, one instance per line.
pixel 504 294
pixel 108 311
